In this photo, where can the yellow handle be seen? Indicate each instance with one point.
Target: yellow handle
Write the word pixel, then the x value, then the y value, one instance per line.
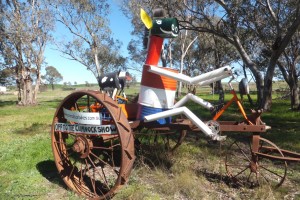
pixel 146 19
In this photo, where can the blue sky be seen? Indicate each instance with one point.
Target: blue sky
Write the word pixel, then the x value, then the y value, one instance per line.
pixel 73 71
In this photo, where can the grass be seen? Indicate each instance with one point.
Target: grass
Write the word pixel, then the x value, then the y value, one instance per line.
pixel 194 171
pixel 26 162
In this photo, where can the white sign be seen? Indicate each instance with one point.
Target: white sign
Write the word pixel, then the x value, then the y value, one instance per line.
pixel 2 89
pixel 93 118
pixel 86 129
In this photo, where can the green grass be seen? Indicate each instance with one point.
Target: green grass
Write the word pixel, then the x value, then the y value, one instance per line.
pixel 194 171
pixel 26 162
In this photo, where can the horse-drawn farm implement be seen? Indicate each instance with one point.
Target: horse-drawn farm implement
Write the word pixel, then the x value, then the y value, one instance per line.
pixel 93 133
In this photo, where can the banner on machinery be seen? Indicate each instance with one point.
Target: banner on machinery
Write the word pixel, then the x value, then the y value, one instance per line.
pixel 93 118
pixel 86 129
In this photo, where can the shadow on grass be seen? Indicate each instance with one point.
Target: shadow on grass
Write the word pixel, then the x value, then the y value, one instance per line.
pixel 53 103
pixel 7 103
pixel 153 158
pixel 219 178
pixel 34 128
pixel 48 170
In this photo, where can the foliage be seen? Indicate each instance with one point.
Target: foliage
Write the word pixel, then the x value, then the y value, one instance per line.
pixel 248 28
pixel 92 45
pixel 24 34
pixel 6 77
pixel 52 76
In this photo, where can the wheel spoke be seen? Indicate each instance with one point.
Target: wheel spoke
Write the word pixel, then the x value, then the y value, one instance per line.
pixel 271 171
pixel 81 175
pixel 238 162
pixel 237 165
pixel 276 169
pixel 261 174
pixel 248 179
pixel 92 180
pixel 242 151
pixel 241 172
pixel 265 169
pixel 91 164
pixel 105 163
pixel 73 167
pixel 103 177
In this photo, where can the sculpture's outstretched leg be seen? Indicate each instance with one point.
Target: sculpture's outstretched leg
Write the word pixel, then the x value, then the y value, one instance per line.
pixel 184 110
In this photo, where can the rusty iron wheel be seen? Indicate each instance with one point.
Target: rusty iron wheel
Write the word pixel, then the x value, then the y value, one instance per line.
pixel 251 169
pixel 93 165
pixel 168 140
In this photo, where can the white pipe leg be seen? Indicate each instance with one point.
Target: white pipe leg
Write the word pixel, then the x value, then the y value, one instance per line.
pixel 184 110
pixel 221 72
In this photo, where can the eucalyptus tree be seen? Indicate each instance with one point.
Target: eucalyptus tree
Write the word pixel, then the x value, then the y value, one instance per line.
pixel 25 33
pixel 289 66
pixel 251 27
pixel 52 76
pixel 91 43
pixel 137 46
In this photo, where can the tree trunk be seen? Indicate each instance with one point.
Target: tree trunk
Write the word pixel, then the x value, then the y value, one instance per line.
pixel 37 86
pixel 259 85
pixel 294 95
pixel 170 53
pixel 252 66
pixel 280 45
pixel 26 92
pixel 29 93
pixel 290 76
pixel 267 94
pixel 180 82
pixel 220 90
pixel 25 88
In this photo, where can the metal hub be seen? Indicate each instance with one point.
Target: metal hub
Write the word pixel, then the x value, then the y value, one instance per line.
pixel 214 126
pixel 82 146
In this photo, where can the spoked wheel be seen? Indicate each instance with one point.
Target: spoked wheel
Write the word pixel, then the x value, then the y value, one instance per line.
pixel 92 144
pixel 249 167
pixel 159 138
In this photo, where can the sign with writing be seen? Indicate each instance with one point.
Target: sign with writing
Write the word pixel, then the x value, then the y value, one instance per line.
pixel 93 118
pixel 86 129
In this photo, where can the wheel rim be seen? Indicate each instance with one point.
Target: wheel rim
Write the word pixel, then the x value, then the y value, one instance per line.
pixel 247 168
pixel 272 171
pixel 93 165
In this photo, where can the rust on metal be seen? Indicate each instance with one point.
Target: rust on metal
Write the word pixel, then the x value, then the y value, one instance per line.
pixel 79 164
pixel 93 165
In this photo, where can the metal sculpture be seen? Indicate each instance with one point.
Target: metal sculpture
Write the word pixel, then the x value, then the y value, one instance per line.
pixel 158 85
pixel 93 136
